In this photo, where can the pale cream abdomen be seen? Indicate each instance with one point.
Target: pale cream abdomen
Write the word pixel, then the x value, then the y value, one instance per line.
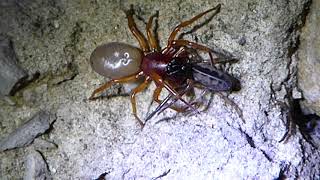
pixel 115 60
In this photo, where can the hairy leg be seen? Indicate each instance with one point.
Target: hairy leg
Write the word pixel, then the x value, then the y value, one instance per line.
pixel 113 81
pixel 135 31
pixel 138 89
pixel 151 39
pixel 188 22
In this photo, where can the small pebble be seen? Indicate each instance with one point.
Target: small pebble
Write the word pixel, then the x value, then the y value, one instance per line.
pixel 25 134
pixel 36 167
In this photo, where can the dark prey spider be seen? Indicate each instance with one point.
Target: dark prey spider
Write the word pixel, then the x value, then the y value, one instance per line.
pixel 169 68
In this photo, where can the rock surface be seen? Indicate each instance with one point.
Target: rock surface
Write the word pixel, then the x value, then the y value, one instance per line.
pixel 10 73
pixel 100 136
pixel 309 61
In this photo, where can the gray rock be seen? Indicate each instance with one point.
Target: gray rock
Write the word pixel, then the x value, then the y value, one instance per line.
pixel 25 134
pixel 36 167
pixel 309 61
pixel 11 75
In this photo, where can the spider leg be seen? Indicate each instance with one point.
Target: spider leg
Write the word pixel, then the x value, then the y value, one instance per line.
pixel 164 104
pixel 113 81
pixel 160 82
pixel 232 104
pixel 183 91
pixel 138 89
pixel 177 95
pixel 160 107
pixel 188 22
pixel 156 95
pixel 186 43
pixel 135 31
pixel 151 38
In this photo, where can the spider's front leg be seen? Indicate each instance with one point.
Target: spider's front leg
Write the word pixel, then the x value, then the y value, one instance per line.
pixel 190 21
pixel 135 31
pixel 151 39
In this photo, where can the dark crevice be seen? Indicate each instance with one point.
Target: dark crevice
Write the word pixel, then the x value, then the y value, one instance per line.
pixel 24 83
pixel 283 170
pixel 294 45
pixel 266 155
pixel 67 74
pixel 68 79
pixel 291 108
pixel 162 175
pixel 103 176
pixel 248 138
pixel 44 160
pixel 307 124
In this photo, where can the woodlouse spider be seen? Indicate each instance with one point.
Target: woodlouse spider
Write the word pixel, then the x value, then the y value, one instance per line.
pixel 169 68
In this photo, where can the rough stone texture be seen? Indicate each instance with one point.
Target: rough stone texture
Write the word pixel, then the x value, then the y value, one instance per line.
pixel 25 134
pixel 309 61
pixel 36 167
pixel 103 136
pixel 10 73
pixel 312 129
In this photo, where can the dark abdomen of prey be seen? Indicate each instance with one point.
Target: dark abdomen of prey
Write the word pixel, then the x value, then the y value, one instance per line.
pixel 215 79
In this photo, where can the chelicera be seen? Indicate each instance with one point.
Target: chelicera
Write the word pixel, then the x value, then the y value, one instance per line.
pixel 169 68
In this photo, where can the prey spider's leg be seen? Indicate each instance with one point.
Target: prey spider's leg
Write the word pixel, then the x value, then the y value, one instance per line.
pixel 140 88
pixel 233 104
pixel 151 39
pixel 188 22
pixel 156 95
pixel 113 81
pixel 159 81
pixel 186 43
pixel 164 106
pixel 160 106
pixel 177 95
pixel 135 31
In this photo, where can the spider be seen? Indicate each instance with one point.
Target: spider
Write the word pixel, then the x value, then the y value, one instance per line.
pixel 169 68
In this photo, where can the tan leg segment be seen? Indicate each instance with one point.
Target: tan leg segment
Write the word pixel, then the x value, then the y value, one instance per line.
pixel 110 83
pixel 135 31
pixel 138 89
pixel 151 38
pixel 188 22
pixel 156 94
